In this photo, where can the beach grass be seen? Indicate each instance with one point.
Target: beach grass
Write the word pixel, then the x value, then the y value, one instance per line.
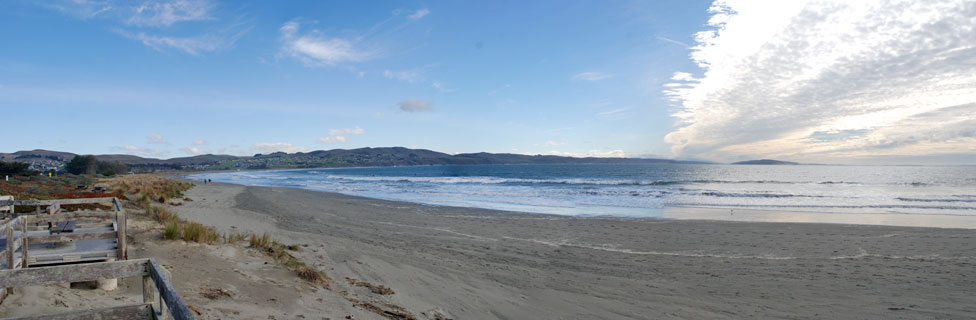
pixel 148 189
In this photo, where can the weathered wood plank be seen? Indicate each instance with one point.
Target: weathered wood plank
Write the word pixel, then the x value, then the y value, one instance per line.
pixel 172 299
pixel 54 207
pixel 106 200
pixel 72 273
pixel 36 260
pixel 136 311
pixel 69 216
pixel 6 208
pixel 68 237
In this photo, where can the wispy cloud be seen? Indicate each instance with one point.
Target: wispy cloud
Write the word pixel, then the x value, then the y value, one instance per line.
pixel 130 149
pixel 199 142
pixel 315 49
pixel 672 41
pixel 613 112
pixel 339 135
pixel 194 151
pixel 155 138
pixel 591 153
pixel 441 87
pixel 272 147
pixel 829 79
pixel 414 105
pixel 591 76
pixel 194 45
pixel 419 14
pixel 500 89
pixel 161 13
pixel 147 22
pixel 81 8
pixel 410 76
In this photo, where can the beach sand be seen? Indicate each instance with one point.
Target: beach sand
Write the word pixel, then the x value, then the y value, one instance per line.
pixel 463 263
pixel 482 264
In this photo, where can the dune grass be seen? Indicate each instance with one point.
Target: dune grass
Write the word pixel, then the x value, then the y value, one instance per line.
pixel 279 252
pixel 149 188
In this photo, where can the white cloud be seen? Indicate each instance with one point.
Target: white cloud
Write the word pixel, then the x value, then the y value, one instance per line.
pixel 348 131
pixel 155 138
pixel 554 143
pixel 332 139
pixel 165 13
pixel 130 149
pixel 314 49
pixel 199 142
pixel 339 135
pixel 591 76
pixel 419 14
pixel 414 105
pixel 272 147
pixel 829 79
pixel 194 151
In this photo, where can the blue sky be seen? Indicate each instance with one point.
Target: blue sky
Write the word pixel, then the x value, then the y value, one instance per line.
pixel 813 81
pixel 185 77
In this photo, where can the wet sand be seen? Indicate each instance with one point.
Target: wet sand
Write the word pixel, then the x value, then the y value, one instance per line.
pixel 468 263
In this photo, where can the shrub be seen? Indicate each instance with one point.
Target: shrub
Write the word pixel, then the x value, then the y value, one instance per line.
pixel 172 231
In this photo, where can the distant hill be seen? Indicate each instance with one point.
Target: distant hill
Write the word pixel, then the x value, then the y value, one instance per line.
pixel 387 156
pixel 766 162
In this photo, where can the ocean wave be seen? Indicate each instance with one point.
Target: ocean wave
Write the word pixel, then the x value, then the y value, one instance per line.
pixel 936 200
pixel 756 195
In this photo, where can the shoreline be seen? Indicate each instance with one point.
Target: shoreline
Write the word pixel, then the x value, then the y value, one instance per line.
pixel 477 263
pixel 692 213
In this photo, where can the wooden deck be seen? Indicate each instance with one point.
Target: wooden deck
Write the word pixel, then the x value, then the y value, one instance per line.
pixel 159 298
pixel 26 242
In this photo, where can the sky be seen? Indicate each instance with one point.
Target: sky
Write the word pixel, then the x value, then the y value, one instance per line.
pixel 809 81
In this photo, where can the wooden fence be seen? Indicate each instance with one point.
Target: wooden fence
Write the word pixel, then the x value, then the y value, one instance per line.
pixel 159 298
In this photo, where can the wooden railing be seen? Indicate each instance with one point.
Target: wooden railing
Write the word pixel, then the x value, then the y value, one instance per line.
pixel 155 284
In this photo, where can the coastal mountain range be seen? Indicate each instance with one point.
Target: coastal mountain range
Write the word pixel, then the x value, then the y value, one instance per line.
pixel 387 156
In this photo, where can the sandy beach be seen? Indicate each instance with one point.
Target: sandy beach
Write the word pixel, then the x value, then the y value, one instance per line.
pixel 467 263
pixel 462 263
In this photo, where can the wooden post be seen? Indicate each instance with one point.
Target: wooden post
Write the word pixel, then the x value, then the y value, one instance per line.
pixel 23 247
pixel 149 295
pixel 108 284
pixel 120 222
pixel 8 232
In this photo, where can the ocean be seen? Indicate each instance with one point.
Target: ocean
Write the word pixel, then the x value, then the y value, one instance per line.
pixel 645 190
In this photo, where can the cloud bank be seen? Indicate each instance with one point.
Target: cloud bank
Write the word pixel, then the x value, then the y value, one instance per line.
pixel 823 80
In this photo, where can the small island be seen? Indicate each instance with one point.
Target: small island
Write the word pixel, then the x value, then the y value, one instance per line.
pixel 766 162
